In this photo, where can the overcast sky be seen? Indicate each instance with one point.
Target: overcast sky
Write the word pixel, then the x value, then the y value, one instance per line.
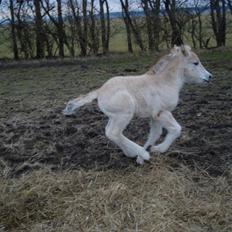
pixel 114 5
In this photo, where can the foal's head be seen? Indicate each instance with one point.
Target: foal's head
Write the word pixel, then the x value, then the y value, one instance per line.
pixel 193 70
pixel 188 62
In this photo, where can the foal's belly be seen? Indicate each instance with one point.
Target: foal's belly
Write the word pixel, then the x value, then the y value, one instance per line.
pixel 151 106
pixel 143 113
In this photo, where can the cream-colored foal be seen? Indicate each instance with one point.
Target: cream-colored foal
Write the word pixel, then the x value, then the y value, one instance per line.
pixel 154 94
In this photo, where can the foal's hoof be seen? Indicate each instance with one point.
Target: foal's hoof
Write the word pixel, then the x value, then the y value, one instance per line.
pixel 140 160
pixel 157 149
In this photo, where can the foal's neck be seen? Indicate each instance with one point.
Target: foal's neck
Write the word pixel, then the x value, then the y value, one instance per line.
pixel 176 79
pixel 174 75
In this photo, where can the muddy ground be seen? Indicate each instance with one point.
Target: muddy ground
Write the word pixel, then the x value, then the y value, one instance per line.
pixel 35 134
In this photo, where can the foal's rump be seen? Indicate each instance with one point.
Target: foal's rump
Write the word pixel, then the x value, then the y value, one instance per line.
pixel 119 102
pixel 118 95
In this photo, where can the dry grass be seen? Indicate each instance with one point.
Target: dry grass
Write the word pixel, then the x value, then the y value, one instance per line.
pixel 155 198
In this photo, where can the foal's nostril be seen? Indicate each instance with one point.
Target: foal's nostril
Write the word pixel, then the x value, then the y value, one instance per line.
pixel 210 76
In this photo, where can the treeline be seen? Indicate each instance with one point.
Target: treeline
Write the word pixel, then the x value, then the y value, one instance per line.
pixel 50 28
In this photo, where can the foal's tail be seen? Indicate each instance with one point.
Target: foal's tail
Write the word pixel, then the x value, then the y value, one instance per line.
pixel 76 103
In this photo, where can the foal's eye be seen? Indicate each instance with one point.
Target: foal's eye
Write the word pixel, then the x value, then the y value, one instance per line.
pixel 196 63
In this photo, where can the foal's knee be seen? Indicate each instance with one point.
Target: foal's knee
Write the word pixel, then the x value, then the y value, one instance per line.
pixel 112 135
pixel 176 130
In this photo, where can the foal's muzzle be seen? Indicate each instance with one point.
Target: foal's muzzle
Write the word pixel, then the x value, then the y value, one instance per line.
pixel 208 78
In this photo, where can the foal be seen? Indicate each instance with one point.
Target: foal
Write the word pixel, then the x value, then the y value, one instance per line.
pixel 154 94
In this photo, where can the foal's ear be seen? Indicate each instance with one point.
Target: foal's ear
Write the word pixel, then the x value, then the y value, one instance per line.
pixel 185 49
pixel 175 50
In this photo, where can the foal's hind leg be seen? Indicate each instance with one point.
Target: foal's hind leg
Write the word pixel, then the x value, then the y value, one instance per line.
pixel 174 129
pixel 154 134
pixel 114 131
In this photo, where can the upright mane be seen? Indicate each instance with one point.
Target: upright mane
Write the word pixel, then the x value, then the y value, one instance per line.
pixel 166 59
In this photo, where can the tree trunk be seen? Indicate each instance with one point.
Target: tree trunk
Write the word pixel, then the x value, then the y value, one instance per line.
pixel 223 24
pixel 218 20
pixel 148 17
pixel 39 30
pixel 230 5
pixel 200 30
pixel 60 29
pixel 133 26
pixel 170 6
pixel 128 29
pixel 193 32
pixel 128 33
pixel 93 30
pixel 155 6
pixel 105 46
pixel 13 32
pixel 108 25
pixel 81 38
pixel 85 28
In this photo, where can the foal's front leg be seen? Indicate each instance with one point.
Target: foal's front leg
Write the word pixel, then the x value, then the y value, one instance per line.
pixel 174 130
pixel 114 131
pixel 154 134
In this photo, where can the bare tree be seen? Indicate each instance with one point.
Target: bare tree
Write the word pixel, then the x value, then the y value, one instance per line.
pixel 199 37
pixel 152 15
pixel 85 26
pixel 39 30
pixel 198 12
pixel 60 28
pixel 25 30
pixel 171 9
pixel 229 2
pixel 128 28
pixel 50 40
pixel 218 19
pixel 132 23
pixel 155 9
pixel 13 30
pixel 81 33
pixel 94 33
pixel 105 25
pixel 58 23
pixel 148 24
